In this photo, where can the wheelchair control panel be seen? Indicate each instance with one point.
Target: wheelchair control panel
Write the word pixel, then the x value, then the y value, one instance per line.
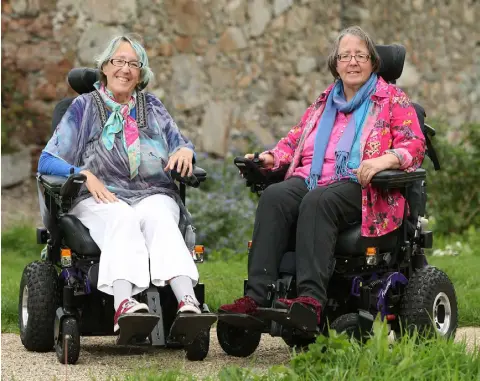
pixel 257 177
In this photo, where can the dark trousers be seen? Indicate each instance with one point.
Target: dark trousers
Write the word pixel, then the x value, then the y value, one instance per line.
pixel 289 217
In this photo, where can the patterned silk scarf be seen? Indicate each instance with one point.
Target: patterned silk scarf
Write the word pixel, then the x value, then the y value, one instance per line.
pixel 121 121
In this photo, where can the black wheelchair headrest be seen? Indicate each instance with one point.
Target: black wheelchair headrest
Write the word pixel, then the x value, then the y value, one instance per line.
pixel 392 59
pixel 81 79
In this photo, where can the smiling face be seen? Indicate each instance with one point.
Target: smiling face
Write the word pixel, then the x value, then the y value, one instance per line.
pixel 121 81
pixel 353 74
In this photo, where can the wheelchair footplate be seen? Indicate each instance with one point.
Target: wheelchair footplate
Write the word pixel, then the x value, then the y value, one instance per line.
pixel 135 327
pixel 186 326
pixel 242 320
pixel 297 317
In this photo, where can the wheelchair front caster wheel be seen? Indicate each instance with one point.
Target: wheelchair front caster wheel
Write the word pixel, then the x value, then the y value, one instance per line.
pixel 67 345
pixel 237 341
pixel 350 324
pixel 299 342
pixel 197 350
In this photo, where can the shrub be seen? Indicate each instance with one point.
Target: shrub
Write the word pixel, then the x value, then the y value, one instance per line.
pixel 223 209
pixel 453 197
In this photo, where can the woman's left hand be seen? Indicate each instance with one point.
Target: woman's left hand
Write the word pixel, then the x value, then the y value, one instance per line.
pixel 370 167
pixel 183 160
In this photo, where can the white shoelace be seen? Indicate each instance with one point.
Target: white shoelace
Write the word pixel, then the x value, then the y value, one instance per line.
pixel 189 299
pixel 130 303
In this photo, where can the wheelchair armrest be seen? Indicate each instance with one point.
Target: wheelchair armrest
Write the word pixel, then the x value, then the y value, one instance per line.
pixel 66 187
pixel 51 183
pixel 199 175
pixel 278 175
pixel 396 178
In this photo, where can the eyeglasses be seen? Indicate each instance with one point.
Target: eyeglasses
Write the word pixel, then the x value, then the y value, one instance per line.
pixel 358 57
pixel 121 63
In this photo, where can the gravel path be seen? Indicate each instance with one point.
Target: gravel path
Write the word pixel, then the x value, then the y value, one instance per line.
pixel 100 359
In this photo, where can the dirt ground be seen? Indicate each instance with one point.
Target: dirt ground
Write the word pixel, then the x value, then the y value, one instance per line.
pixel 101 358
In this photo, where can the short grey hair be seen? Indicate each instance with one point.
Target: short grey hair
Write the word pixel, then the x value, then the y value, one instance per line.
pixel 360 33
pixel 134 40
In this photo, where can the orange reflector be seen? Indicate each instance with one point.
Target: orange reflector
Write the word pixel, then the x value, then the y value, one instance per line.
pixel 66 253
pixel 249 244
pixel 371 251
pixel 199 249
pixel 391 317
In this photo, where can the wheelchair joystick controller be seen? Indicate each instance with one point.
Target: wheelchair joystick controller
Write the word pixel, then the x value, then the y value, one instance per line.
pixel 256 159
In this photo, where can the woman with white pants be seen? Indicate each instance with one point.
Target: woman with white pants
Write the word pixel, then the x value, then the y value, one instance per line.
pixel 125 143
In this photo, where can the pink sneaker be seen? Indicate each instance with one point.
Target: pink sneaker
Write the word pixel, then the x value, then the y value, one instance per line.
pixel 128 306
pixel 188 304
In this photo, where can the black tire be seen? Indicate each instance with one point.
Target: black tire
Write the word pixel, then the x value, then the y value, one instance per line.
pixel 237 341
pixel 69 353
pixel 39 298
pixel 350 324
pixel 198 349
pixel 429 304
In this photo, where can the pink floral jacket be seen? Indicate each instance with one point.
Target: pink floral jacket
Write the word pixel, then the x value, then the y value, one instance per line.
pixel 391 126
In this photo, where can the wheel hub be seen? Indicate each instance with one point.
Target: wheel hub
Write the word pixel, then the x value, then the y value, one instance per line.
pixel 25 306
pixel 442 313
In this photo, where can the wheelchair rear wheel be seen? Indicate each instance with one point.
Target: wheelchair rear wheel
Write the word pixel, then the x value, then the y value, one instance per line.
pixel 38 300
pixel 430 303
pixel 237 341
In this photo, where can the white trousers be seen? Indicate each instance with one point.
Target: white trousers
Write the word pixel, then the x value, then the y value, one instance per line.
pixel 139 243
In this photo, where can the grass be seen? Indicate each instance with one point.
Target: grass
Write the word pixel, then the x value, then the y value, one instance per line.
pixel 332 358
pixel 18 249
pixel 224 280
pixel 339 358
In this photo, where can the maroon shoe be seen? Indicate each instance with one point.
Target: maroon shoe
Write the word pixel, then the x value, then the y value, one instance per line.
pixel 307 301
pixel 245 305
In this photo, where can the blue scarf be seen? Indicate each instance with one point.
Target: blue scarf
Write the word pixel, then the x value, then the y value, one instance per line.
pixel 349 146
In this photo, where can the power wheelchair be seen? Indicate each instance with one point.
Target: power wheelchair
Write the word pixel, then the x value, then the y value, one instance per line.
pixel 387 276
pixel 58 299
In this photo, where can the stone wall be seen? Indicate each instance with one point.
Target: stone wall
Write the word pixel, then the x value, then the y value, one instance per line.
pixel 236 73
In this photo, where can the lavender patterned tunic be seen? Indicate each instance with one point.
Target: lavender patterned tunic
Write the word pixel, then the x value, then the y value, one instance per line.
pixel 76 140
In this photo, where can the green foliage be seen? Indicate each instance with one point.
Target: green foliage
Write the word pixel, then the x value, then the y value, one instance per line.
pixel 18 249
pixel 453 196
pixel 339 358
pixel 223 209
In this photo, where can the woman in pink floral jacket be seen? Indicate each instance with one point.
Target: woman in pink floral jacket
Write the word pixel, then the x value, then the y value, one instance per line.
pixel 358 127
